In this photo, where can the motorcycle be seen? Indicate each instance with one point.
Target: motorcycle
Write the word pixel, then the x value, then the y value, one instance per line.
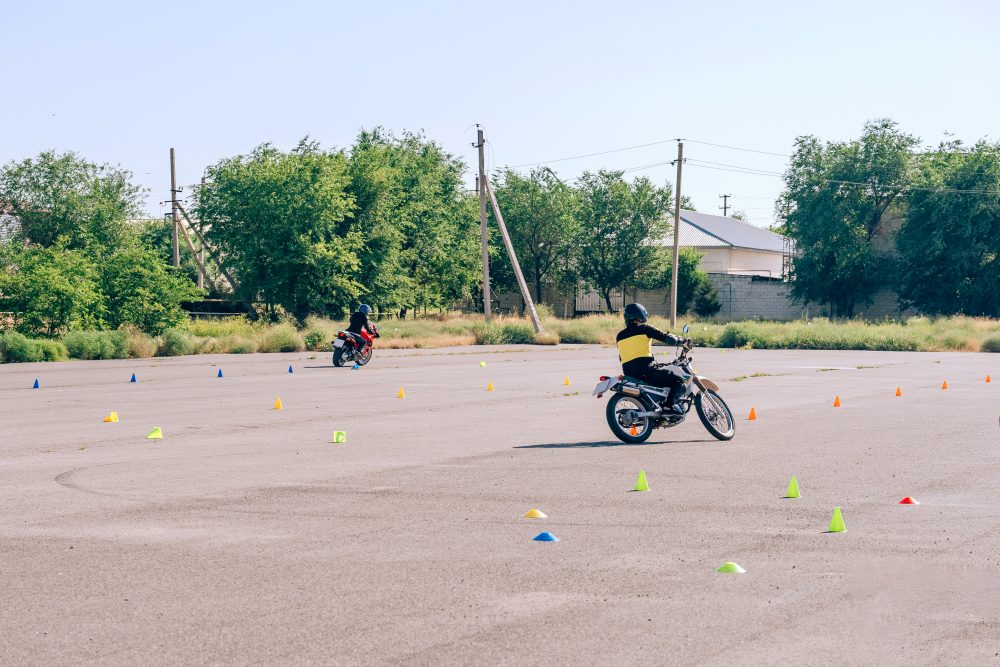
pixel 346 347
pixel 634 409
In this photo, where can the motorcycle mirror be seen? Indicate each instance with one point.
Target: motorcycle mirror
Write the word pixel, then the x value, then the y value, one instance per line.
pixel 686 328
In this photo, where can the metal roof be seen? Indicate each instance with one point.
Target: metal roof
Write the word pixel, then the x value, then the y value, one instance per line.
pixel 701 230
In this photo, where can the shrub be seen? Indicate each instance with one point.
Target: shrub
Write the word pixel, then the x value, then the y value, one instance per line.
pixel 547 338
pixel 138 344
pixel 517 333
pixel 16 347
pixel 281 338
pixel 175 343
pixel 315 340
pixel 991 344
pixel 96 344
pixel 52 350
pixel 237 345
pixel 707 302
pixel 488 333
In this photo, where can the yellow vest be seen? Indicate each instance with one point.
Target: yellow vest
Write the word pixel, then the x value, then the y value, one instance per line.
pixel 635 347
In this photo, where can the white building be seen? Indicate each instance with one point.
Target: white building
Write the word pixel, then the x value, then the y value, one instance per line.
pixel 733 247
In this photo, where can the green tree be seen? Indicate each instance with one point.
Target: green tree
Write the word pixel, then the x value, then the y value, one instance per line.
pixel 838 205
pixel 141 289
pixel 64 197
pixel 692 283
pixel 620 224
pixel 949 246
pixel 49 290
pixel 275 215
pixel 541 213
pixel 418 223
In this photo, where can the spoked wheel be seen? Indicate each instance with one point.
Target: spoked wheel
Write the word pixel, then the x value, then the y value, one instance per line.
pixel 365 357
pixel 621 418
pixel 715 415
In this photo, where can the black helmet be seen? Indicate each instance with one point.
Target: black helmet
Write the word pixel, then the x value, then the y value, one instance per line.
pixel 365 308
pixel 635 312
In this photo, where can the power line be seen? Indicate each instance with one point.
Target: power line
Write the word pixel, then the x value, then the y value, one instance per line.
pixel 736 148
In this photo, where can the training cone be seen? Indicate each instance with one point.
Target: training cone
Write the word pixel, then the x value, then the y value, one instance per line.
pixel 837 522
pixel 35 386
pixel 339 437
pixel 155 434
pixel 988 380
pixel 400 394
pixel 836 402
pixel 489 387
pixel 534 514
pixel 908 501
pixel 133 378
pixel 899 392
pixel 566 381
pixel 641 484
pixel 111 418
pixel 793 488
pixel 633 430
pixel 290 370
pixel 944 385
pixel 482 364
pixel 752 416
pixel 277 404
pixel 545 537
pixel 731 568
pixel 220 373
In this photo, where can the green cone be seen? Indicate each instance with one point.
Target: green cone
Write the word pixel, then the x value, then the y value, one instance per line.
pixel 793 488
pixel 837 522
pixel 731 568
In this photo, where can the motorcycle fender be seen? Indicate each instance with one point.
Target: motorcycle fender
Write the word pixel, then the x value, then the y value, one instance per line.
pixel 604 386
pixel 705 383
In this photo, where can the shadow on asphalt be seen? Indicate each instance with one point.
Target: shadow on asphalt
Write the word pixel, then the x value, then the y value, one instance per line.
pixel 604 443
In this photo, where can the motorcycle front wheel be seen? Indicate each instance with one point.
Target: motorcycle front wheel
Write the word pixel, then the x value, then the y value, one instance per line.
pixel 715 415
pixel 620 411
pixel 365 357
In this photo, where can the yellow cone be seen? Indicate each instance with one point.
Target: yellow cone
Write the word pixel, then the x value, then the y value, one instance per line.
pixel 837 522
pixel 482 364
pixel 489 387
pixel 640 483
pixel 566 381
pixel 944 385
pixel 339 437
pixel 400 394
pixel 155 434
pixel 793 488
pixel 534 514
pixel 111 418
pixel 836 402
pixel 277 404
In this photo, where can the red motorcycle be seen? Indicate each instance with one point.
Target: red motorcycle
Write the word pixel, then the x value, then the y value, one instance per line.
pixel 347 347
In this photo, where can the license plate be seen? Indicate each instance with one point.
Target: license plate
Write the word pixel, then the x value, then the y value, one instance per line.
pixel 338 343
pixel 603 386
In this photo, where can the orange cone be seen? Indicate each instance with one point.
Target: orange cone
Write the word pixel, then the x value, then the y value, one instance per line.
pixel 944 385
pixel 753 415
pixel 836 402
pixel 898 392
pixel 633 431
pixel 988 380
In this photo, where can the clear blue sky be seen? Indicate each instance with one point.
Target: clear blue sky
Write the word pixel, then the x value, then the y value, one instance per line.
pixel 122 82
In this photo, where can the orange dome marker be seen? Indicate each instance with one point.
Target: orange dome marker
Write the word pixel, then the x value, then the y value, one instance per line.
pixel 908 501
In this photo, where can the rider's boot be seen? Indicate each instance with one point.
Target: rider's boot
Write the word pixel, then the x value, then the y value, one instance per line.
pixel 669 406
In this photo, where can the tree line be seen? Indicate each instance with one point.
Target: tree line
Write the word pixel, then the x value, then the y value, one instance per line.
pixel 882 213
pixel 314 231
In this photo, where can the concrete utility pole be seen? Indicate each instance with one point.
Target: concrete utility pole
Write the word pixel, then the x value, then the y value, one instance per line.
pixel 173 208
pixel 725 204
pixel 201 257
pixel 481 187
pixel 677 236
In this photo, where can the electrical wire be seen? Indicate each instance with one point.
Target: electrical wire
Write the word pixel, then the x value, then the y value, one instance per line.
pixel 578 157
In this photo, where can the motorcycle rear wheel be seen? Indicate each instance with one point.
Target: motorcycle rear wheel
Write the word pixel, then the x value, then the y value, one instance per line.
pixel 338 356
pixel 616 413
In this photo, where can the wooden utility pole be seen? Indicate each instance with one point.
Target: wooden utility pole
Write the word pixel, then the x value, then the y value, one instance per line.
pixel 525 294
pixel 173 209
pixel 725 204
pixel 677 236
pixel 484 232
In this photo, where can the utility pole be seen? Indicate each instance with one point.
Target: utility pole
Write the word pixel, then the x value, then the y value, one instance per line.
pixel 173 208
pixel 677 236
pixel 725 204
pixel 201 256
pixel 481 187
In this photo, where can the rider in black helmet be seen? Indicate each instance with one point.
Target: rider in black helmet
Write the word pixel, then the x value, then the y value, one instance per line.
pixel 635 350
pixel 360 322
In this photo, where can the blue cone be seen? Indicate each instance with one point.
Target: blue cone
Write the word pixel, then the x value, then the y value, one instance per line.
pixel 546 537
pixel 220 373
pixel 290 369
pixel 133 378
pixel 36 384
